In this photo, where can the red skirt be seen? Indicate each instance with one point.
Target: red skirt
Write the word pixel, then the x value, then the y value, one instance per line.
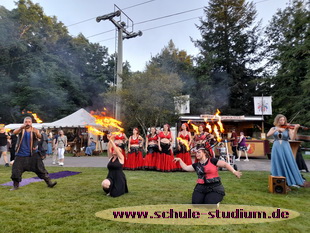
pixel 150 160
pixel 186 157
pixel 134 161
pixel 165 163
pixel 125 155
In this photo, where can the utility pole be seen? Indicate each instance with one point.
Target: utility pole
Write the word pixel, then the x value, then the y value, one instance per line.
pixel 123 33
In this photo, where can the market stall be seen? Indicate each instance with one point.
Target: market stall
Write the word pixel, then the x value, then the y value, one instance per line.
pixel 75 129
pixel 256 141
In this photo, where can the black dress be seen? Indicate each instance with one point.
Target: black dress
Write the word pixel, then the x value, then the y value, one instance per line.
pixel 117 178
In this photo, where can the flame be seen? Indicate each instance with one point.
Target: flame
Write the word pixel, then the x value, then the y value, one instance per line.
pixel 217 133
pixel 209 127
pixel 108 122
pixel 94 131
pixel 217 114
pixel 218 127
pixel 195 127
pixel 184 142
pixel 35 116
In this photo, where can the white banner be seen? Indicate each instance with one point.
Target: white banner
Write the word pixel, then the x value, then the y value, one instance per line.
pixel 262 105
pixel 181 104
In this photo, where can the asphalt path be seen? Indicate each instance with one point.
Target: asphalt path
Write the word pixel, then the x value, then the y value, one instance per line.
pixel 255 164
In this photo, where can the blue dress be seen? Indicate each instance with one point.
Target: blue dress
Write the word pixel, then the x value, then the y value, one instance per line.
pixel 49 146
pixel 282 160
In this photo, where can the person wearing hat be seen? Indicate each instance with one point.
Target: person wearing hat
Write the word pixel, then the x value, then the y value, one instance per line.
pixel 209 189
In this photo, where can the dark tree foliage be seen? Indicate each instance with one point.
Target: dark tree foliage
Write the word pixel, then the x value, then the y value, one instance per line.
pixel 173 60
pixel 227 68
pixel 288 51
pixel 45 70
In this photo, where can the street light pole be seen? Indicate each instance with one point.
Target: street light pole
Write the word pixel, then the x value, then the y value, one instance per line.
pixel 122 34
pixel 119 72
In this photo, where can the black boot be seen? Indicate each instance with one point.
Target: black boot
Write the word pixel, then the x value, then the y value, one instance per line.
pixel 49 183
pixel 15 186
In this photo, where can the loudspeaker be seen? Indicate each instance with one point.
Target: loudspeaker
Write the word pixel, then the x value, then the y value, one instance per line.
pixel 277 184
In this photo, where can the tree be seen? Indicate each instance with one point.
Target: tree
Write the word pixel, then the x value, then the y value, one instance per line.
pixel 45 70
pixel 173 60
pixel 288 51
pixel 148 98
pixel 227 64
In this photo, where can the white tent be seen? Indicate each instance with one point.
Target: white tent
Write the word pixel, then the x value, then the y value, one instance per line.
pixel 17 125
pixel 80 118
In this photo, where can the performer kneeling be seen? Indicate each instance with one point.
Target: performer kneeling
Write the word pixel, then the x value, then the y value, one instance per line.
pixel 27 157
pixel 209 189
pixel 115 184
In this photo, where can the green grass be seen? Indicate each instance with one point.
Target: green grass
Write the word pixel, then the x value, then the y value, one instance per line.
pixel 71 205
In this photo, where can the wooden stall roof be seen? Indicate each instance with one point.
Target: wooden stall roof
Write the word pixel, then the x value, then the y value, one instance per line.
pixel 201 118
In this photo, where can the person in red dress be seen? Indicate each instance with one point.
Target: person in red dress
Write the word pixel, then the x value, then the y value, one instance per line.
pixel 151 147
pixel 200 138
pixel 184 142
pixel 134 156
pixel 165 162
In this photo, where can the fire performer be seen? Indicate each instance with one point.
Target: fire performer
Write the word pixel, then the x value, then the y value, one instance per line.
pixel 165 161
pixel 115 184
pixel 151 145
pixel 120 140
pixel 209 189
pixel 282 158
pixel 200 137
pixel 134 159
pixel 27 156
pixel 184 140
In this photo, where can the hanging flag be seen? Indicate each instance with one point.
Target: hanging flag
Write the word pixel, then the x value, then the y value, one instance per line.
pixel 262 105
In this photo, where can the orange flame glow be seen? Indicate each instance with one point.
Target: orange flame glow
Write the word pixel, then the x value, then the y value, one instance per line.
pixel 35 116
pixel 195 127
pixel 218 126
pixel 94 131
pixel 217 114
pixel 217 133
pixel 209 127
pixel 108 122
pixel 184 142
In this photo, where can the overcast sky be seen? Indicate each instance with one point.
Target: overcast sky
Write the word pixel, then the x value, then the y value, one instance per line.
pixel 156 33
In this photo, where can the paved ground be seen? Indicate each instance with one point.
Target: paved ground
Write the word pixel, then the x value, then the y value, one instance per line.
pixel 255 164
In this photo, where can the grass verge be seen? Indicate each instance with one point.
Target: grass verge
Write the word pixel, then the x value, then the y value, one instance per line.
pixel 71 205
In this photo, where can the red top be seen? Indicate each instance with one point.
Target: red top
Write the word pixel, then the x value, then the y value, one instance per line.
pixel 235 140
pixel 186 137
pixel 200 137
pixel 134 141
pixel 162 135
pixel 152 138
pixel 120 137
pixel 210 171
